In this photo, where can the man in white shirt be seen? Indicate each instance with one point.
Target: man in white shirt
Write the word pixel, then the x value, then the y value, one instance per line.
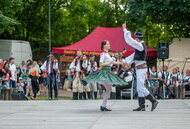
pixel 126 74
pixel 77 67
pixel 163 78
pixel 138 57
pixel 92 67
pixel 174 82
pixel 13 70
pixel 50 66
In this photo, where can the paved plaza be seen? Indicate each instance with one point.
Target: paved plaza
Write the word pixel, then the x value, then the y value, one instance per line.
pixel 81 114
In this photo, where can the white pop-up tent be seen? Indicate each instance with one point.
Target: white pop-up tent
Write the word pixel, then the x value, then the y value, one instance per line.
pixel 179 50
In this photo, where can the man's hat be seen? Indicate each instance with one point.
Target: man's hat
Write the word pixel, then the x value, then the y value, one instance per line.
pixel 138 35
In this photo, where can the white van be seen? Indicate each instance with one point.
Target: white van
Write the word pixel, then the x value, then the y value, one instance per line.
pixel 20 50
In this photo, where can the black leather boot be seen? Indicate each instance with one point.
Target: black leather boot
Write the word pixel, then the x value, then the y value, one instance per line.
pixel 89 95
pixel 80 96
pixel 153 101
pixel 141 107
pixel 95 95
pixel 104 109
pixel 84 95
pixel 111 95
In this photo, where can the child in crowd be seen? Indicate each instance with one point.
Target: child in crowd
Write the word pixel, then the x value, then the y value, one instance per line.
pixel 20 85
pixel 45 81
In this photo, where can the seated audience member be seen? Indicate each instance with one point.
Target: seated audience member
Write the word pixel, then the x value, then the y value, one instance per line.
pixel 153 81
pixel 126 74
pixel 174 81
pixel 186 83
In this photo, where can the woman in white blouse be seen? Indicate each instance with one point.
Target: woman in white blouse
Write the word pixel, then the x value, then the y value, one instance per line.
pixel 104 76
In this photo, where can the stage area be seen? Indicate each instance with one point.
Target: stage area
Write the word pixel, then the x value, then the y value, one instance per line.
pixel 70 114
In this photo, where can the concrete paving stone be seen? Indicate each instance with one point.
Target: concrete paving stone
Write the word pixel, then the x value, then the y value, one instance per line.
pixel 85 114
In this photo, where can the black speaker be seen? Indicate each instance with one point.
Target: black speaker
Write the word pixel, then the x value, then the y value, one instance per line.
pixel 163 50
pixel 18 96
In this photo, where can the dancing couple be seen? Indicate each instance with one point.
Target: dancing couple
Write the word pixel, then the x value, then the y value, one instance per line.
pixel 107 78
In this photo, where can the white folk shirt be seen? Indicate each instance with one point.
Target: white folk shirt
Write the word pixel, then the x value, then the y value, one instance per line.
pixel 92 68
pixel 105 58
pixel 13 71
pixel 178 78
pixel 166 75
pixel 186 79
pixel 77 67
pixel 55 66
pixel 129 78
pixel 135 44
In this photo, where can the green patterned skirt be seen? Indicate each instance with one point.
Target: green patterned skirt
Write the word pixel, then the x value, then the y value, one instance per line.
pixel 104 75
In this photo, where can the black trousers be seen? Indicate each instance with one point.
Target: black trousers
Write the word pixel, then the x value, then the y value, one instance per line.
pixel 35 85
pixel 52 85
pixel 119 89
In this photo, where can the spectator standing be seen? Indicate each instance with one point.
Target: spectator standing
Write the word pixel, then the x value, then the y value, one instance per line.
pixel 40 74
pixel 29 82
pixel 13 71
pixel 45 81
pixel 34 72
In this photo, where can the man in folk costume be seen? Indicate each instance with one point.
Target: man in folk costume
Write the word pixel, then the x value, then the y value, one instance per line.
pixel 86 89
pixel 163 77
pixel 92 67
pixel 185 84
pixel 50 66
pixel 77 67
pixel 115 68
pixel 174 82
pixel 138 57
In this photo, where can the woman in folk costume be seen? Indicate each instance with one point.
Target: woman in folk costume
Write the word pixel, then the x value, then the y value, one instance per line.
pixel 104 76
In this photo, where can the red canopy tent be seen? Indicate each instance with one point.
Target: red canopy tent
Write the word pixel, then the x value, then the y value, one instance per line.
pixel 91 43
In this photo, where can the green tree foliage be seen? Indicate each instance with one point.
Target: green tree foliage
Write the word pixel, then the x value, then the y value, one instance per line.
pixel 161 19
pixel 71 20
pixel 8 9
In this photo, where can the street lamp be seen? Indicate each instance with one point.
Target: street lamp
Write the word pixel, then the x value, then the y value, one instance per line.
pixel 49 25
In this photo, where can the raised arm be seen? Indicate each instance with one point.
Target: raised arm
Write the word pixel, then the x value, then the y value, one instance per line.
pixel 130 41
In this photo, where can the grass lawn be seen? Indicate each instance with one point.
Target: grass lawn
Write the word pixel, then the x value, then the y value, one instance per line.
pixel 46 98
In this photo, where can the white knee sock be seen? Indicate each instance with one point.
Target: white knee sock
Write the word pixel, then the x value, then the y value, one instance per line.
pixel 106 95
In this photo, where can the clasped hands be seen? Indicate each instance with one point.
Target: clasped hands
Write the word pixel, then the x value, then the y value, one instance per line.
pixel 118 63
